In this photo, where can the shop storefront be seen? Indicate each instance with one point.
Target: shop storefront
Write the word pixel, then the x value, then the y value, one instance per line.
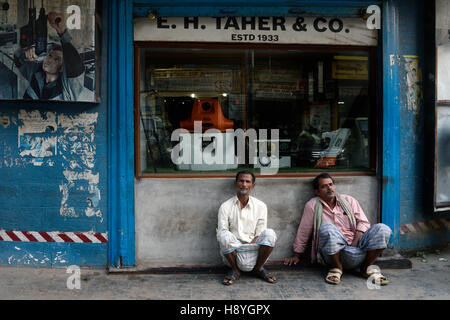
pixel 129 168
pixel 284 96
pixel 342 89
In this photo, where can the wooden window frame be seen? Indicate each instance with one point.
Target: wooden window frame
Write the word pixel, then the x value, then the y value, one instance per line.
pixel 374 105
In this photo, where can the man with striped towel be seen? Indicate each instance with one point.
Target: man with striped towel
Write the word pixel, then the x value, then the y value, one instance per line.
pixel 341 234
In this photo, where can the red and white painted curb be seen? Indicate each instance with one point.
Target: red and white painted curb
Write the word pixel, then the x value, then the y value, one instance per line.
pixel 53 236
pixel 425 226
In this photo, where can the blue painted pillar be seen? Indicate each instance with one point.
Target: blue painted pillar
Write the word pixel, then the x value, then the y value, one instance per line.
pixel 390 196
pixel 121 251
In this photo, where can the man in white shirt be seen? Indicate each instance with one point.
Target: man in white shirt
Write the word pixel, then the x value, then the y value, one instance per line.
pixel 244 240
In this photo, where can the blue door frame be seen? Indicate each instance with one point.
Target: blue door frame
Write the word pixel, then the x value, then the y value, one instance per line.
pixel 121 250
pixel 120 132
pixel 390 163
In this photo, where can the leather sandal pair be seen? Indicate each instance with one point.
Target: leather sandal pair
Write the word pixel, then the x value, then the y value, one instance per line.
pixel 373 272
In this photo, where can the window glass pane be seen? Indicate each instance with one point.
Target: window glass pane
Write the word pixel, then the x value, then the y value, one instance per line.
pixel 318 102
pixel 443 156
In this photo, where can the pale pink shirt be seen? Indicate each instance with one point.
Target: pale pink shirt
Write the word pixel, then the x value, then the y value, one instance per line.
pixel 337 216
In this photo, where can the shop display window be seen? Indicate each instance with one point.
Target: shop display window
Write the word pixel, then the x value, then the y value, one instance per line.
pixel 193 102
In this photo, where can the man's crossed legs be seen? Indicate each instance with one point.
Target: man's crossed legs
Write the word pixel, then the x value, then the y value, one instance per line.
pixel 337 253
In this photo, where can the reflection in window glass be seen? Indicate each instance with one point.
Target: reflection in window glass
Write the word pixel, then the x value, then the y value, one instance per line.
pixel 319 103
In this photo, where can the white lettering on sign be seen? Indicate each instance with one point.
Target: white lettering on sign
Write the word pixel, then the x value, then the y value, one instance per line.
pixel 307 30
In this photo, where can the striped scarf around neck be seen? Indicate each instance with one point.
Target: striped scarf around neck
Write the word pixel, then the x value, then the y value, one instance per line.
pixel 318 214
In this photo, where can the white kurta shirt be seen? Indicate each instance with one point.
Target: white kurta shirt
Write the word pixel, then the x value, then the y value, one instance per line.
pixel 246 223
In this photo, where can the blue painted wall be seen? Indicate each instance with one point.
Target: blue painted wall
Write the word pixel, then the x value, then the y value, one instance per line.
pixel 427 227
pixel 41 197
pixel 220 8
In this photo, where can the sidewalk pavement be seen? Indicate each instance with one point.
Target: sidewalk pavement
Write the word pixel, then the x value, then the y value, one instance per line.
pixel 427 279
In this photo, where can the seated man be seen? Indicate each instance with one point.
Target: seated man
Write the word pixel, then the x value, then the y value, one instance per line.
pixel 244 240
pixel 342 235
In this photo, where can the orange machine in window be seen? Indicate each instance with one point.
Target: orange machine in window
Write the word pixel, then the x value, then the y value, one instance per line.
pixel 209 112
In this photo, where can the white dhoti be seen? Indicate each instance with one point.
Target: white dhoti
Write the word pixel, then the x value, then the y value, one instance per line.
pixel 246 253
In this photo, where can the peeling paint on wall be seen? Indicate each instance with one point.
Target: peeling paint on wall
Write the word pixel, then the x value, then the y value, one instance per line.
pixel 413 80
pixel 83 123
pixel 37 135
pixel 78 139
pixel 78 152
pixel 42 136
pixel 38 147
pixel 80 181
pixel 34 122
pixel 7 159
pixel 5 121
pixel 25 258
pixel 393 58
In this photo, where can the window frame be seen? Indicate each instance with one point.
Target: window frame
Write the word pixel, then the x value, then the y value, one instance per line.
pixel 432 104
pixel 375 107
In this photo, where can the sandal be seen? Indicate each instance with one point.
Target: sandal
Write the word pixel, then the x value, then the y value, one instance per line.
pixel 230 278
pixel 334 276
pixel 374 273
pixel 263 274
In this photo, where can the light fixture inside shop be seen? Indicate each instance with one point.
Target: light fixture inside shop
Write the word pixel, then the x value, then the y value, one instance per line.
pixel 224 94
pixel 193 95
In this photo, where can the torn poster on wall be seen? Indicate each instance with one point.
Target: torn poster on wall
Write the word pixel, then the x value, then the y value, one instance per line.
pixel 47 50
pixel 37 135
pixel 80 181
pixel 45 138
pixel 78 151
pixel 413 80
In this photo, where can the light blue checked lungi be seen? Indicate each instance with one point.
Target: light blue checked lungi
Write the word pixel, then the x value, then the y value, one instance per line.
pixel 332 240
pixel 246 253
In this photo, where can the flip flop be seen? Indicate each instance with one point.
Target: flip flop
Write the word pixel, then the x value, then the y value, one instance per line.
pixel 334 276
pixel 263 274
pixel 230 278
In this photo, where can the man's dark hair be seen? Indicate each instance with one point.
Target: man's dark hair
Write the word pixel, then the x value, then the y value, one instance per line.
pixel 323 175
pixel 246 172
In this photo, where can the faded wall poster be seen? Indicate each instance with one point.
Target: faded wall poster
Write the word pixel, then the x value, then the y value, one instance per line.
pixel 47 50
